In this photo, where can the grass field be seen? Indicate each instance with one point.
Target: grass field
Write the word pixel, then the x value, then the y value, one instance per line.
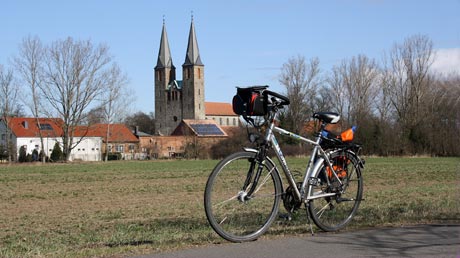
pixel 127 208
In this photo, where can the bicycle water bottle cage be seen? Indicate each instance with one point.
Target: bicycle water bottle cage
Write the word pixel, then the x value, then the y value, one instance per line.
pixel 327 117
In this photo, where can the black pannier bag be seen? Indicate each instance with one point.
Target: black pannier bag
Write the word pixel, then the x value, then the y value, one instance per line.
pixel 250 101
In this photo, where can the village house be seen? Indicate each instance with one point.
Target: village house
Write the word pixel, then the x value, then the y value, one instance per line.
pixel 25 132
pixel 90 142
pixel 116 138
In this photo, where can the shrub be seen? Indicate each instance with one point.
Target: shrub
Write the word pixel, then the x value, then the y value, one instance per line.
pixel 56 155
pixel 114 156
pixel 22 154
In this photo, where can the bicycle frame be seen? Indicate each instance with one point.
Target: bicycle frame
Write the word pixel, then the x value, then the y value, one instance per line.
pixel 318 156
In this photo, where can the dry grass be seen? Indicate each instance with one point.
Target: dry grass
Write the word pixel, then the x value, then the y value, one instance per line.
pixel 125 208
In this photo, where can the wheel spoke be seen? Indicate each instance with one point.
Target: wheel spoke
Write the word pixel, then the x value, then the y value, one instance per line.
pixel 224 202
pixel 268 176
pixel 321 211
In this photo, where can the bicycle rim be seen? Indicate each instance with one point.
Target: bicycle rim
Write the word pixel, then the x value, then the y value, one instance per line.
pixel 335 212
pixel 229 214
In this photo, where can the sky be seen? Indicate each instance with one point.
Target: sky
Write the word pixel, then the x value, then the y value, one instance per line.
pixel 241 42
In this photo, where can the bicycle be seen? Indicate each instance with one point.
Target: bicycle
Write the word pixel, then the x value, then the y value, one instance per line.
pixel 244 190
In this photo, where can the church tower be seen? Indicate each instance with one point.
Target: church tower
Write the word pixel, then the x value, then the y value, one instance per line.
pixel 177 100
pixel 167 93
pixel 193 80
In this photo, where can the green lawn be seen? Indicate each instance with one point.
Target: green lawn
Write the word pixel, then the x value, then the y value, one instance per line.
pixel 128 208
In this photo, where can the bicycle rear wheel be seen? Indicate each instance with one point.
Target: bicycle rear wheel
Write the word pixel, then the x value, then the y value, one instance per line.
pixel 335 212
pixel 233 214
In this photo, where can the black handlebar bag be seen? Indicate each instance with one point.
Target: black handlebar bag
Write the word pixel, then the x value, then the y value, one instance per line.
pixel 250 101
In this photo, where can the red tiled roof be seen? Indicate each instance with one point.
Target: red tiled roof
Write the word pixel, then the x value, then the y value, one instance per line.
pixel 117 132
pixel 27 126
pixel 219 109
pixel 52 127
pixel 313 126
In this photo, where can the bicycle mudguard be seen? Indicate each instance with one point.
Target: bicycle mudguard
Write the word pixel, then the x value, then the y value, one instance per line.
pixel 250 150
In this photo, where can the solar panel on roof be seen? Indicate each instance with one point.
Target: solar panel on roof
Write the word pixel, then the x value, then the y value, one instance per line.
pixel 207 129
pixel 45 127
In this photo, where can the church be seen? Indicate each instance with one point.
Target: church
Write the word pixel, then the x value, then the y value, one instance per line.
pixel 180 104
pixel 182 117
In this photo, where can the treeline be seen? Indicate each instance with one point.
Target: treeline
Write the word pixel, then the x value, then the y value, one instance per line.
pixel 401 106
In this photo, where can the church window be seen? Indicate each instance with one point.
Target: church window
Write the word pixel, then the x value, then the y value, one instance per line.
pixel 199 92
pixel 228 121
pixel 199 106
pixel 159 76
pixel 220 120
pixel 175 118
pixel 169 96
pixel 199 73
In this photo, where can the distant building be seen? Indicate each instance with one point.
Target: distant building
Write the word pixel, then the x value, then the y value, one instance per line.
pixel 25 132
pixel 90 142
pixel 222 113
pixel 178 100
pixel 182 117
pixel 116 138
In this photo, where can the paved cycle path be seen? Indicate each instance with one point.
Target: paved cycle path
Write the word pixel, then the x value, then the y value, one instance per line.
pixel 411 241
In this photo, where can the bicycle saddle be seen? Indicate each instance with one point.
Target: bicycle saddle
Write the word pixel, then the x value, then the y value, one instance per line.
pixel 327 117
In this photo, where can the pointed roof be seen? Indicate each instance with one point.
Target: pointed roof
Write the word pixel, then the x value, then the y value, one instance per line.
pixel 164 54
pixel 193 53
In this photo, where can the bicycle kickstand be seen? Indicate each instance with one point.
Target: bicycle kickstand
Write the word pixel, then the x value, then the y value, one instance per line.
pixel 308 218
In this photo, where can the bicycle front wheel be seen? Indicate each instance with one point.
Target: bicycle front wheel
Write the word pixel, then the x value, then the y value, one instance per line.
pixel 335 212
pixel 231 212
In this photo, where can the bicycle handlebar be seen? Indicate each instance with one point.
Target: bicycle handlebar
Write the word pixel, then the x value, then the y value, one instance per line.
pixel 284 100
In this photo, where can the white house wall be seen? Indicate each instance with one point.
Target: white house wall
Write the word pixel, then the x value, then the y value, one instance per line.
pixel 225 120
pixel 89 149
pixel 31 143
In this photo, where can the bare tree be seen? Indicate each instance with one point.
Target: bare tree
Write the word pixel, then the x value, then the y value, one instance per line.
pixel 301 79
pixel 359 76
pixel 336 90
pixel 408 82
pixel 29 65
pixel 115 100
pixel 75 73
pixel 443 119
pixel 353 87
pixel 8 98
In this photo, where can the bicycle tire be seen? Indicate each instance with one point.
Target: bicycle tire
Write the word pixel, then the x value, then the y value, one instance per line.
pixel 334 213
pixel 232 218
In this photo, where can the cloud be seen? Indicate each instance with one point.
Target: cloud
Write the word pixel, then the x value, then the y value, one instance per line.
pixel 446 61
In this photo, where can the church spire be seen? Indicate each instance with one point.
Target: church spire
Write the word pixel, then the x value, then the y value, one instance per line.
pixel 193 53
pixel 164 54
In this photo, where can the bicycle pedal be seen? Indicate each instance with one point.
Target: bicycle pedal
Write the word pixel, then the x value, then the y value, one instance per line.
pixel 286 216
